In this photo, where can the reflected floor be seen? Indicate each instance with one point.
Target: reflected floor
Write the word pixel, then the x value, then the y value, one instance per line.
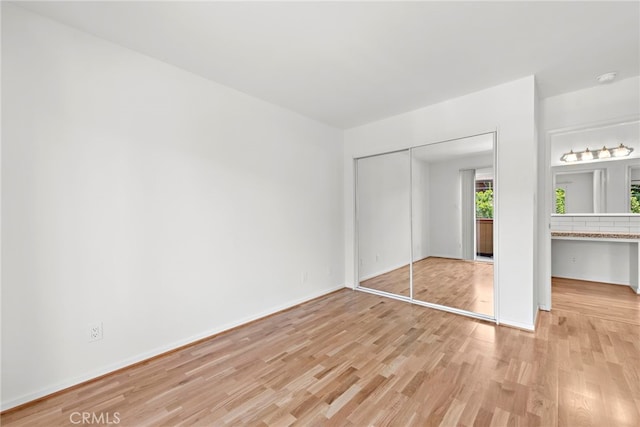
pixel 395 282
pixel 466 285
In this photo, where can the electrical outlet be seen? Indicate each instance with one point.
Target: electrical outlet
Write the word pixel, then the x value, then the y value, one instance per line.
pixel 305 276
pixel 95 331
pixel 573 260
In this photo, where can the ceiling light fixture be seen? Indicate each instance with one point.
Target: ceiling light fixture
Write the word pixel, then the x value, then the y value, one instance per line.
pixel 587 155
pixel 607 77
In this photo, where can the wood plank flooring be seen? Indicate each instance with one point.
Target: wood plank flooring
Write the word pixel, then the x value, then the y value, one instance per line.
pixel 605 301
pixel 356 359
pixel 467 285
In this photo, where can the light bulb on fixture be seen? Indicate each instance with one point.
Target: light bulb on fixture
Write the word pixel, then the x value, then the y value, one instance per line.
pixel 587 155
pixel 569 157
pixel 622 151
pixel 604 153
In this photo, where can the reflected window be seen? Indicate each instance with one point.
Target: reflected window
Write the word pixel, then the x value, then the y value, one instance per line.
pixel 484 199
pixel 560 201
pixel 635 198
pixel 634 190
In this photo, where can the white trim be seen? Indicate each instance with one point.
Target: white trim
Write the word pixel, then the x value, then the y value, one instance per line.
pixel 598 279
pixel 386 270
pixel 5 405
pixel 526 326
pixel 384 294
pixel 356 242
pixel 594 214
pixel 496 228
pixel 454 310
pixel 411 261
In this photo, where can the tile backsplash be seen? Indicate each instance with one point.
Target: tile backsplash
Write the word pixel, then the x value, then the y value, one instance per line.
pixel 606 223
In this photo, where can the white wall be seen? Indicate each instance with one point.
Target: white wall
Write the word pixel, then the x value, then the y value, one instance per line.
pixel 445 213
pixel 164 205
pixel 383 213
pixel 420 205
pixel 509 108
pixel 606 262
pixel 597 105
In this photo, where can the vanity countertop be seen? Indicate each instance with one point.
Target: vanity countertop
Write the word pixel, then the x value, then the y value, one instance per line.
pixel 595 235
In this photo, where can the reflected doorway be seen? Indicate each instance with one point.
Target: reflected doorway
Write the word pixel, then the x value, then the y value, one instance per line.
pixel 484 214
pixel 417 212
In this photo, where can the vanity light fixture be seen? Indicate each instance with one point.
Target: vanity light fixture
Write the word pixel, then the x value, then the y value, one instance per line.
pixel 586 155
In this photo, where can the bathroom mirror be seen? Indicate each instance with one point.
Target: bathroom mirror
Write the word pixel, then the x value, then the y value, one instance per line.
pixel 581 191
pixel 592 169
pixel 452 220
pixel 383 223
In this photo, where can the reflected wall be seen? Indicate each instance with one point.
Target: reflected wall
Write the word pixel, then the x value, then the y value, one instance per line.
pixel 383 222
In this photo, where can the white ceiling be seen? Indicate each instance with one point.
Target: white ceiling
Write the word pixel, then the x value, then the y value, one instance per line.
pixel 349 63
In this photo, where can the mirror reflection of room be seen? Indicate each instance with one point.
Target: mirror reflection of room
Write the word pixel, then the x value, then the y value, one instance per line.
pixel 595 170
pixel 383 220
pixel 452 216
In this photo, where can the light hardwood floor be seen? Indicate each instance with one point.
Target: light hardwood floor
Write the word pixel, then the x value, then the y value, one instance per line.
pixel 467 285
pixel 606 301
pixel 356 359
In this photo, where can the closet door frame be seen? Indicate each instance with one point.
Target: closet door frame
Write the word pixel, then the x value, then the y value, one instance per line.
pixel 356 227
pixel 496 214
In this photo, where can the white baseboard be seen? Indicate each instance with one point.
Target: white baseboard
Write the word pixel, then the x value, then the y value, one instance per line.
pixel 526 326
pixel 5 405
pixel 378 273
pixel 603 280
pixel 592 278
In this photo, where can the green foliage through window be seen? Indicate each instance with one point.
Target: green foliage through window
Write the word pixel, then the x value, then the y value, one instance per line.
pixel 484 203
pixel 560 201
pixel 635 198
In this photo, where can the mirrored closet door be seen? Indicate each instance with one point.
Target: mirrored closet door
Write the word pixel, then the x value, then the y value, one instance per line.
pixel 425 225
pixel 383 223
pixel 452 214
